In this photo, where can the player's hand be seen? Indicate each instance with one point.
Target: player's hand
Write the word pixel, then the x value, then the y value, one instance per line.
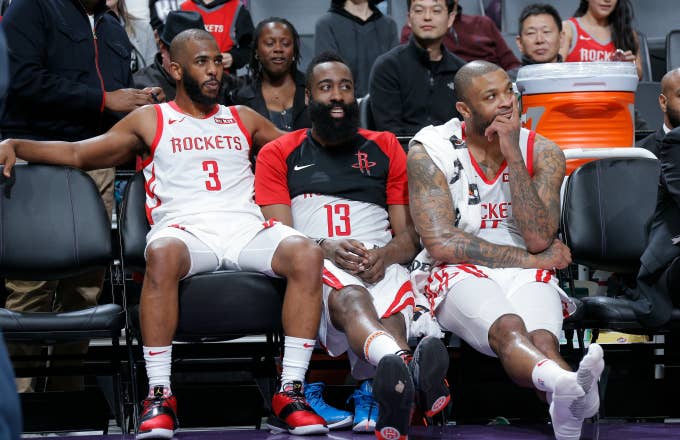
pixel 157 94
pixel 7 157
pixel 506 127
pixel 127 100
pixel 227 60
pixel 557 256
pixel 373 266
pixel 347 254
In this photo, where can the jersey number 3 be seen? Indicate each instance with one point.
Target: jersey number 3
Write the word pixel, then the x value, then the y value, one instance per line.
pixel 337 217
pixel 214 183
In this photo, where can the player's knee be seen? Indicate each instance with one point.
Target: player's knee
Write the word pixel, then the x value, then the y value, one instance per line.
pixel 302 256
pixel 351 302
pixel 165 259
pixel 504 330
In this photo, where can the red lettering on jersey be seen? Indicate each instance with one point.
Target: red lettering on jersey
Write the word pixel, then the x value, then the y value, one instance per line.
pixel 224 120
pixel 187 143
pixel 209 142
pixel 206 143
pixel 237 141
pixel 218 142
pixel 363 163
pixel 198 143
pixel 495 210
pixel 176 145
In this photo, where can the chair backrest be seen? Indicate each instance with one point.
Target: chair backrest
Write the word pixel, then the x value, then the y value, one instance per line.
pixel 472 7
pixel 673 49
pixel 53 224
pixel 511 10
pixel 644 57
pixel 511 41
pixel 365 114
pixel 133 223
pixel 647 102
pixel 607 206
pixel 655 18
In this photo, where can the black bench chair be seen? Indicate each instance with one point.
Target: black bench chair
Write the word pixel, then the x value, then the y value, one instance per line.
pixel 214 306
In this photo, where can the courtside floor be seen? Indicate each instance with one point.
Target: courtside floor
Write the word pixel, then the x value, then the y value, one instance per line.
pixel 607 431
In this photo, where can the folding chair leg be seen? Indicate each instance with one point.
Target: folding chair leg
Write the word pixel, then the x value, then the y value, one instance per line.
pixel 119 408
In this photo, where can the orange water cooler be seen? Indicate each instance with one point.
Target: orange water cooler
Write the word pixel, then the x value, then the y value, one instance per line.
pixel 580 105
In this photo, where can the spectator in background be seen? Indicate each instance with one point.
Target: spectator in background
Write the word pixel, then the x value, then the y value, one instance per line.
pixel 540 34
pixel 159 10
pixel 669 101
pixel 475 37
pixel 358 32
pixel 70 69
pixel 138 30
pixel 230 23
pixel 411 86
pixel 277 91
pixel 158 74
pixel 492 9
pixel 658 280
pixel 601 30
pixel 10 410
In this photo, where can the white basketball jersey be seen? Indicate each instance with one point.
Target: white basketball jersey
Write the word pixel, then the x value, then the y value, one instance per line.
pixel 199 176
pixel 318 215
pixel 497 224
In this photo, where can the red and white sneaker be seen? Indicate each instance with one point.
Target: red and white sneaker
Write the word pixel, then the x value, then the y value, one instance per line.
pixel 159 416
pixel 293 414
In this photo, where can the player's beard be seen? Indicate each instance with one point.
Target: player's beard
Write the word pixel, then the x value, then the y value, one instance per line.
pixel 479 124
pixel 334 130
pixel 193 89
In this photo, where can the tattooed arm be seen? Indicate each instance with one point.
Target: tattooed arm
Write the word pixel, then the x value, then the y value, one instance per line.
pixel 535 201
pixel 433 214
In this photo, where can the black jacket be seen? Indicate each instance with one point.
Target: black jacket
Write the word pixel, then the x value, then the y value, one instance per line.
pixel 59 71
pixel 251 95
pixel 156 76
pixel 655 302
pixel 408 92
pixel 652 142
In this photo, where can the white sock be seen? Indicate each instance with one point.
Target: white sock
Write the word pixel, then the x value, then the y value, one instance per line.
pixel 566 408
pixel 296 355
pixel 587 376
pixel 545 374
pixel 158 361
pixel 378 345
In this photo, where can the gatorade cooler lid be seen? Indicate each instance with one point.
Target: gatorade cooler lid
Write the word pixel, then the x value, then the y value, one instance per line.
pixel 577 77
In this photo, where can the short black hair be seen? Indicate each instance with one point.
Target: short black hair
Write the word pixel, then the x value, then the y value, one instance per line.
pixel 323 57
pixel 470 71
pixel 178 45
pixel 538 9
pixel 255 65
pixel 449 5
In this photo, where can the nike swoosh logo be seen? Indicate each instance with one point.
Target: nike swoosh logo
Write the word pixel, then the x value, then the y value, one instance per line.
pixel 172 121
pixel 302 167
pixel 306 345
pixel 542 362
pixel 154 353
pixel 581 37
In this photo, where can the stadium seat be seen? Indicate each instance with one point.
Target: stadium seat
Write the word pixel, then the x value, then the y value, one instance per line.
pixel 647 102
pixel 511 41
pixel 644 57
pixel 216 306
pixel 54 226
pixel 472 7
pixel 673 50
pixel 365 114
pixel 511 10
pixel 655 18
pixel 605 215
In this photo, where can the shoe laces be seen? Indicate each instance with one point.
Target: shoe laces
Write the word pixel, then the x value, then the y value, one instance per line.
pixel 362 399
pixel 313 395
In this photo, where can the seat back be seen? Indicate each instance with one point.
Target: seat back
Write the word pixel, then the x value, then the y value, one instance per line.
pixel 472 7
pixel 654 18
pixel 133 223
pixel 607 206
pixel 365 114
pixel 645 57
pixel 673 50
pixel 53 224
pixel 647 102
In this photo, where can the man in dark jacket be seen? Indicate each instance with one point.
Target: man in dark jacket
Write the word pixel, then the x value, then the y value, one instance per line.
pixel 669 101
pixel 70 68
pixel 158 74
pixel 411 86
